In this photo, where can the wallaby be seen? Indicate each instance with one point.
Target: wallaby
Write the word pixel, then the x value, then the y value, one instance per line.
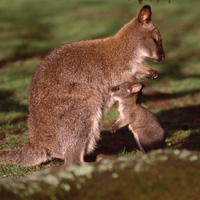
pixel 69 91
pixel 144 125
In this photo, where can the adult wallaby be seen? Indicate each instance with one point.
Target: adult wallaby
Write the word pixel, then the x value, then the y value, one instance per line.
pixel 69 91
pixel 145 127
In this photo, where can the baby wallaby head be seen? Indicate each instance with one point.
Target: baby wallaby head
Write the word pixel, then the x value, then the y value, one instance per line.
pixel 125 90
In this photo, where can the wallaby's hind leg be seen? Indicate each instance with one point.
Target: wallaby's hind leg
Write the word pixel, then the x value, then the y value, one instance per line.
pixel 91 145
pixel 78 121
pixel 138 143
pixel 75 154
pixel 75 138
pixel 137 139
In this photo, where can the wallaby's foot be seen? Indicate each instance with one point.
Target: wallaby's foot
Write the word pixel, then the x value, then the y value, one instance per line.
pixel 153 74
pixel 75 154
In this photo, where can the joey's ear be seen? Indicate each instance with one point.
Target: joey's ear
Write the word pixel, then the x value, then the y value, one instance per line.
pixel 136 88
pixel 144 16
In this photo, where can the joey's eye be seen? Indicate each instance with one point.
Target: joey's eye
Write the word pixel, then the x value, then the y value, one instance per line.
pixel 118 88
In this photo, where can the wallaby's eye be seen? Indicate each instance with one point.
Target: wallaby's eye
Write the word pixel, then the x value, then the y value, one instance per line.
pixel 155 40
pixel 118 88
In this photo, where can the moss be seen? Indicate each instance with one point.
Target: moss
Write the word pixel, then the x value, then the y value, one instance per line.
pixel 169 174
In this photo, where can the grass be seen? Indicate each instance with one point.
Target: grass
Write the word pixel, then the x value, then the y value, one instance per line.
pixel 31 29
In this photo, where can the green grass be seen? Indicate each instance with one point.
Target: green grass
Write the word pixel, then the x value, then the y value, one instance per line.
pixel 31 29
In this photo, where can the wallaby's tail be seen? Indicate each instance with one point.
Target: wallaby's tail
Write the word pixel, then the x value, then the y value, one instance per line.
pixel 28 155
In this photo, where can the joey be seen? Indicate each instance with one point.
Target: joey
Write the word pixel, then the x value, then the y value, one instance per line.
pixel 144 125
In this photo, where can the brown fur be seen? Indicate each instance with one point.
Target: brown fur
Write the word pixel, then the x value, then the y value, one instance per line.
pixel 145 127
pixel 69 91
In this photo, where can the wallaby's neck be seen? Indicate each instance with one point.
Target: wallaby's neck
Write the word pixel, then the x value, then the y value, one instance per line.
pixel 127 38
pixel 122 49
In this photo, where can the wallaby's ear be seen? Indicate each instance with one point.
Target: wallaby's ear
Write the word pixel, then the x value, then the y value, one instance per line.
pixel 136 88
pixel 144 16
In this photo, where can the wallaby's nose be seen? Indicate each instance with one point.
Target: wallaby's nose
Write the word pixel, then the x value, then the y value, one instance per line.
pixel 163 55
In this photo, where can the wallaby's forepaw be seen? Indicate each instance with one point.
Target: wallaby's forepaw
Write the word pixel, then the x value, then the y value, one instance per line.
pixel 153 74
pixel 113 130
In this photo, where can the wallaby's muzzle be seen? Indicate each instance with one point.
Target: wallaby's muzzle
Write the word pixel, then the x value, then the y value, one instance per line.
pixel 162 55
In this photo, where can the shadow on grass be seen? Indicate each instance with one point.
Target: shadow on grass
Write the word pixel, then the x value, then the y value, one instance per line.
pixel 192 142
pixel 9 103
pixel 113 144
pixel 184 118
pixel 180 120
